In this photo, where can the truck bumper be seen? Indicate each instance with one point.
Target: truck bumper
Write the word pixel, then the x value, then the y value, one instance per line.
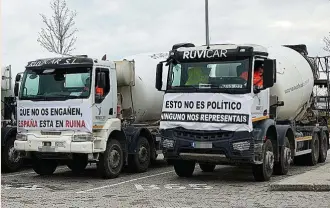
pixel 62 144
pixel 233 147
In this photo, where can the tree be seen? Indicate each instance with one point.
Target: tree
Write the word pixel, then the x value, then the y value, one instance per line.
pixel 326 40
pixel 58 36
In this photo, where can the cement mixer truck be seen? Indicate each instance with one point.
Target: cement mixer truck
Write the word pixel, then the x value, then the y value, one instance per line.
pixel 213 115
pixel 78 110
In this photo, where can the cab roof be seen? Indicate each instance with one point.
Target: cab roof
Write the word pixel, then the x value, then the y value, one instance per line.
pixel 185 47
pixel 65 61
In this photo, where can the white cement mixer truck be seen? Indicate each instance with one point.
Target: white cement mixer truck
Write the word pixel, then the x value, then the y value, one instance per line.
pixel 213 115
pixel 80 110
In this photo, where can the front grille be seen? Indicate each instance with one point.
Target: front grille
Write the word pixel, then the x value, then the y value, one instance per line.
pixel 202 135
pixel 51 133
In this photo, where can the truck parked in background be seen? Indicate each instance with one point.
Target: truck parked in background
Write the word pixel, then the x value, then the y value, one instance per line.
pixel 213 115
pixel 80 110
pixel 10 158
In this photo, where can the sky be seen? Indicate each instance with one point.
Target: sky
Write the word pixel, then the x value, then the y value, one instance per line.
pixel 121 28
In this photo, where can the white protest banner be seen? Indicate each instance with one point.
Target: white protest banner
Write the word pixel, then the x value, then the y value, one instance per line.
pixel 54 117
pixel 207 111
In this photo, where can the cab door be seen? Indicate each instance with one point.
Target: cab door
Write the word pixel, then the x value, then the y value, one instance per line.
pixel 103 108
pixel 260 107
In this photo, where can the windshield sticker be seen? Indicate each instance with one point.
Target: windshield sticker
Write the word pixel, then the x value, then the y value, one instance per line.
pixel 75 93
pixel 237 86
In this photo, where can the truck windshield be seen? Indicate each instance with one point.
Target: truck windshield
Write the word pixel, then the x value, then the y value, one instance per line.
pixel 56 84
pixel 219 75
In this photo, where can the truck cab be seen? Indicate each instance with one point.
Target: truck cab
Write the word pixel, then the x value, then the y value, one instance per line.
pixel 241 105
pixel 60 106
pixel 211 103
pixel 70 111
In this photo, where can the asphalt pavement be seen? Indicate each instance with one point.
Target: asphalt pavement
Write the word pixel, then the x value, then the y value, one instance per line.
pixel 160 187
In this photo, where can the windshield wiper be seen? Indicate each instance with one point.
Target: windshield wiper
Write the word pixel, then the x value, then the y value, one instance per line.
pixel 214 86
pixel 207 86
pixel 49 97
pixel 34 97
pixel 228 90
pixel 185 87
pixel 62 96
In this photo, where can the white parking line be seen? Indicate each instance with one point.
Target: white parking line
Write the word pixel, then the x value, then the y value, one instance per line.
pixel 123 182
pixel 11 175
pixel 26 173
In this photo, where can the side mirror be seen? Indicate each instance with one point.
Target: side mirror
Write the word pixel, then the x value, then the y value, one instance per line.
pixel 269 75
pixel 100 79
pixel 18 77
pixel 16 88
pixel 159 76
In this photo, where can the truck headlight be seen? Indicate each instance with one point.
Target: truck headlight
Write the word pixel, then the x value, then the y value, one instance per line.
pixel 82 138
pixel 241 146
pixel 21 137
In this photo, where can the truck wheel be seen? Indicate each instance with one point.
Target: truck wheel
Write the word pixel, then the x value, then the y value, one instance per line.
pixel 323 147
pixel 313 157
pixel 111 161
pixel 44 167
pixel 11 160
pixel 207 167
pixel 140 162
pixel 264 171
pixel 184 168
pixel 78 163
pixel 282 167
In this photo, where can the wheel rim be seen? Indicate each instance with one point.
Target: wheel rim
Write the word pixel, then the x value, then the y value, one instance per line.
pixel 13 155
pixel 287 156
pixel 269 160
pixel 143 154
pixel 114 159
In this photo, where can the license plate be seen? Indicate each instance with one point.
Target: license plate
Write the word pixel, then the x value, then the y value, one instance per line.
pixel 46 149
pixel 202 145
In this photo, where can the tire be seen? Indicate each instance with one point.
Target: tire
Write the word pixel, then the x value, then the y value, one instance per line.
pixel 313 157
pixel 207 167
pixel 44 167
pixel 78 163
pixel 111 161
pixel 11 160
pixel 323 147
pixel 184 168
pixel 140 162
pixel 264 171
pixel 282 167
